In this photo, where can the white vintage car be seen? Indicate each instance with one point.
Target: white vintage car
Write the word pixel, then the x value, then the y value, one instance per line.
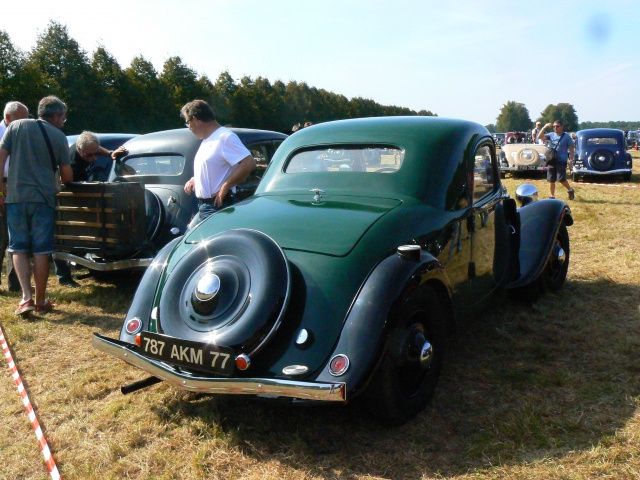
pixel 522 157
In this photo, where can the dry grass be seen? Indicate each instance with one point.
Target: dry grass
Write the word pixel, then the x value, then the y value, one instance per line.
pixel 545 391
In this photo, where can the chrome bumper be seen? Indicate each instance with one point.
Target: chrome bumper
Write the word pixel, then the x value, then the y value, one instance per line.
pixel 586 171
pixel 327 392
pixel 538 168
pixel 106 266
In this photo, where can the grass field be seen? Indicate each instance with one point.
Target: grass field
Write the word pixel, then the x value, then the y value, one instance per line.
pixel 547 391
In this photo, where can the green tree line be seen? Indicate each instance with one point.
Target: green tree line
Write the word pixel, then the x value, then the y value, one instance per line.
pixel 514 117
pixel 104 97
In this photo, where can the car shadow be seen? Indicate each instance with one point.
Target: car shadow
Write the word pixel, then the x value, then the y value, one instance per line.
pixel 523 383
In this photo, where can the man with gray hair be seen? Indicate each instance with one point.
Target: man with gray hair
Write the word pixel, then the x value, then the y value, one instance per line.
pixel 84 156
pixel 38 148
pixel 12 111
pixel 87 167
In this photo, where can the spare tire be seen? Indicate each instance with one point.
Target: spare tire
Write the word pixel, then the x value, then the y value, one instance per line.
pixel 155 214
pixel 232 289
pixel 528 156
pixel 602 160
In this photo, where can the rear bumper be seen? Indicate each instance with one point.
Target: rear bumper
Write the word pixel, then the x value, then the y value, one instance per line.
pixel 104 266
pixel 326 392
pixel 586 171
pixel 523 168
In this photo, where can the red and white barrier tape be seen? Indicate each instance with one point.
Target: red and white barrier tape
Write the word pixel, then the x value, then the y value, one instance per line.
pixel 621 185
pixel 42 441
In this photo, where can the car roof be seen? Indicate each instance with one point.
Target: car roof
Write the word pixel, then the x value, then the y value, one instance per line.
pixel 182 141
pixel 434 149
pixel 600 132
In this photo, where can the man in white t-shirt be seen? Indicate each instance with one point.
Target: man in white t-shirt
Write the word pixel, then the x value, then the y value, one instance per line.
pixel 221 163
pixel 535 132
pixel 12 111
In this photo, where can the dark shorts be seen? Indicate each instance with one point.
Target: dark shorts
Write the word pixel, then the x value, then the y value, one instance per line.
pixel 31 227
pixel 557 173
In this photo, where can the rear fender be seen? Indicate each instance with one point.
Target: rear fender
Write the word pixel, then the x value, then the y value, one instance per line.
pixel 143 300
pixel 362 337
pixel 539 225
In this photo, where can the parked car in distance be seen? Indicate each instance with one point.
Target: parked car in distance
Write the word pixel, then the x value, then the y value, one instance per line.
pixel 366 242
pixel 601 151
pixel 522 158
pixel 633 138
pixel 124 223
pixel 499 139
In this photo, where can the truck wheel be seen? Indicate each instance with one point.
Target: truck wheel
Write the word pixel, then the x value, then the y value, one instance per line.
pixel 413 357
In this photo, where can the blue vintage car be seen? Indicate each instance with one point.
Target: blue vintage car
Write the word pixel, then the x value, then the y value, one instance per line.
pixel 601 151
pixel 364 245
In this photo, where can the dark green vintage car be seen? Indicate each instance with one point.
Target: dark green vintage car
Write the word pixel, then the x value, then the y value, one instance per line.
pixel 340 279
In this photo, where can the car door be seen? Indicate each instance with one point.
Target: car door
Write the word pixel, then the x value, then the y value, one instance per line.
pixel 486 195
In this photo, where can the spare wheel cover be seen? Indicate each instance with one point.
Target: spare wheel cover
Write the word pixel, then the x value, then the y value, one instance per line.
pixel 155 214
pixel 232 289
pixel 528 156
pixel 602 160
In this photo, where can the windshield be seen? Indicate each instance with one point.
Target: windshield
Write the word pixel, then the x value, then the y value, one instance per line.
pixel 343 160
pixel 150 165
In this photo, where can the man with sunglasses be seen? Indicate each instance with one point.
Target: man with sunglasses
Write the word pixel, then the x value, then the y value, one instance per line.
pixel 564 146
pixel 87 167
pixel 221 163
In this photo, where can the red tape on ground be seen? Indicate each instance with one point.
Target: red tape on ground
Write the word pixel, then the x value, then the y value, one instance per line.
pixel 42 441
pixel 621 185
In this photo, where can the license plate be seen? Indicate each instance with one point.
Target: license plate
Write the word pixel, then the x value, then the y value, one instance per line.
pixel 527 167
pixel 197 356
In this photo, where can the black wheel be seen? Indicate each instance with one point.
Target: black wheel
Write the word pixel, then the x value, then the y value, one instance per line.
pixel 236 290
pixel 155 214
pixel 602 160
pixel 414 353
pixel 626 176
pixel 574 177
pixel 555 273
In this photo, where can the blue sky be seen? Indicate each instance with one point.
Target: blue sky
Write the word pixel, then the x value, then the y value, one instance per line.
pixel 461 59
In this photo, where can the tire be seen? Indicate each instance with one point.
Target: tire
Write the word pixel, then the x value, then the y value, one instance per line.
pixel 574 177
pixel 155 214
pixel 403 384
pixel 626 176
pixel 555 273
pixel 602 160
pixel 528 156
pixel 236 289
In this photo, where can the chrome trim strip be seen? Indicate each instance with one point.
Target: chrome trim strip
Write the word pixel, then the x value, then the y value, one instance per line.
pixel 328 392
pixel 104 267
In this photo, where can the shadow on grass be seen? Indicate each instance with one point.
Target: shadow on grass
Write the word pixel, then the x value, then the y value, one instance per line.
pixel 523 383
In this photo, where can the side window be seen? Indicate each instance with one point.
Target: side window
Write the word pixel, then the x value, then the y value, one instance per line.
pixel 483 174
pixel 260 153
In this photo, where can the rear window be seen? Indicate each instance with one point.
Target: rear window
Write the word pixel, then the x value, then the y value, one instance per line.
pixel 602 141
pixel 345 160
pixel 150 165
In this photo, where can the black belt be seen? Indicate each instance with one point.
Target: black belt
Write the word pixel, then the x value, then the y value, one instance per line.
pixel 230 198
